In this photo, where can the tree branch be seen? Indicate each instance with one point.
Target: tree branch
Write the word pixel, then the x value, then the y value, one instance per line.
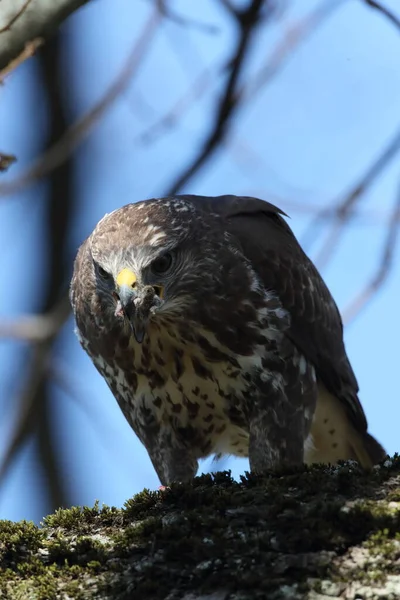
pixel 66 144
pixel 247 20
pixel 383 269
pixel 22 23
pixel 384 11
pixel 342 211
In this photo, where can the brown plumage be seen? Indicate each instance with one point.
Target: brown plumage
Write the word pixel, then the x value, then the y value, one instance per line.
pixel 216 334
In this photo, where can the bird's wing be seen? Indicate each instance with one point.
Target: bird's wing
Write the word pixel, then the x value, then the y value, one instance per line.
pixel 316 326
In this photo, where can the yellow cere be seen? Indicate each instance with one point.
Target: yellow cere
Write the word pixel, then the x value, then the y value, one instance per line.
pixel 126 277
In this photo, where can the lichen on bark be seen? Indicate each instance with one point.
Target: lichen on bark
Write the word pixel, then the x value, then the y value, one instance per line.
pixel 316 533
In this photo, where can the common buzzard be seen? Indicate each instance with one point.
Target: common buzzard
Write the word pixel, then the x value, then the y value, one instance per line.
pixel 217 335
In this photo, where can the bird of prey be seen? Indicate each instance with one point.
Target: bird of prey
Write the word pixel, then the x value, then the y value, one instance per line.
pixel 217 335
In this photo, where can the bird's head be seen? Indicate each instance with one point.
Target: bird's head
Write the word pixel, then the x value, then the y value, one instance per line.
pixel 153 260
pixel 133 293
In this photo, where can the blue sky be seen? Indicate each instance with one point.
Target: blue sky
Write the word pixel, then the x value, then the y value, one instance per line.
pixel 302 142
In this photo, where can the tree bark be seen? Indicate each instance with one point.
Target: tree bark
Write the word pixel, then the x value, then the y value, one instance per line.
pixel 23 21
pixel 315 534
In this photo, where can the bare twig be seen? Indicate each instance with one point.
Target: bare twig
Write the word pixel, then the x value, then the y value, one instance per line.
pixel 290 40
pixel 385 11
pixel 37 328
pixel 185 21
pixel 235 97
pixel 37 369
pixel 63 148
pixel 194 92
pixel 27 52
pixel 27 406
pixel 17 15
pixel 344 208
pixel 247 20
pixel 206 79
pixel 386 263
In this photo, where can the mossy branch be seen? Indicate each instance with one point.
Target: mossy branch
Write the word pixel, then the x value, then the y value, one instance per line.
pixel 317 534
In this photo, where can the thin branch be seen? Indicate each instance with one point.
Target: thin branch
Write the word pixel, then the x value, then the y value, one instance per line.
pixel 37 328
pixel 27 52
pixel 228 103
pixel 344 208
pixel 382 273
pixel 291 39
pixel 185 21
pixel 63 148
pixel 235 96
pixel 385 11
pixel 27 406
pixel 38 366
pixel 207 78
pixel 194 92
pixel 17 15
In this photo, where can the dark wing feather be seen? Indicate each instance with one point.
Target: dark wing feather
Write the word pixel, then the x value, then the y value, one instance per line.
pixel 316 326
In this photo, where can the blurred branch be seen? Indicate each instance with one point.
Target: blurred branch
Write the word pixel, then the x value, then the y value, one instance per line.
pixel 185 21
pixel 64 146
pixel 234 96
pixel 28 51
pixel 195 91
pixel 247 21
pixel 36 416
pixel 187 54
pixel 292 37
pixel 27 405
pixel 341 211
pixel 385 11
pixel 6 160
pixel 29 329
pixel 35 18
pixel 383 270
pixel 37 328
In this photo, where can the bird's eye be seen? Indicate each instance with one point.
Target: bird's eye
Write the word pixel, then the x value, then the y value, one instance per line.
pixel 103 273
pixel 162 264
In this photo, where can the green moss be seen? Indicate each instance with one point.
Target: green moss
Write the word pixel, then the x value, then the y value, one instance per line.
pixel 18 540
pixel 79 518
pixel 211 534
pixel 142 504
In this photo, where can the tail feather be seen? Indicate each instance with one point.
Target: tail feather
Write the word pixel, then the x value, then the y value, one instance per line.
pixel 333 436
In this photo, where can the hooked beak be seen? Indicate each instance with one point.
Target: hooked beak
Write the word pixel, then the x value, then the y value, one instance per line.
pixel 137 302
pixel 127 294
